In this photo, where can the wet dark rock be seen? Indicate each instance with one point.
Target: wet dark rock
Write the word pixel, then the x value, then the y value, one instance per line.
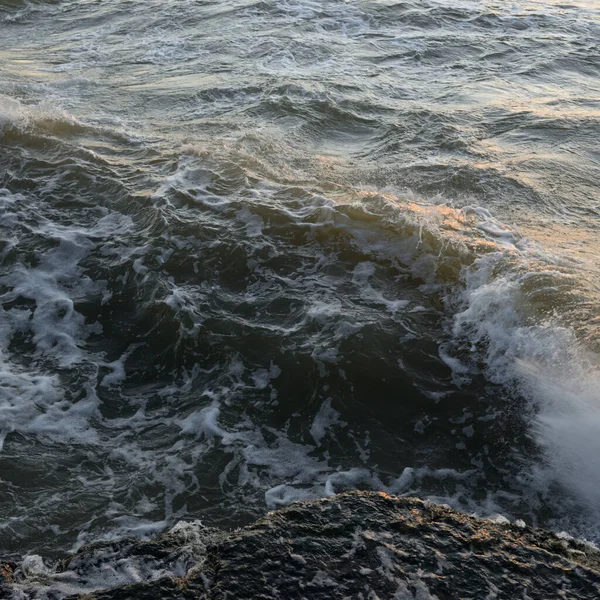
pixel 355 545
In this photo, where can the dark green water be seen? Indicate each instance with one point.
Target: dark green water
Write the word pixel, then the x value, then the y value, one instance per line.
pixel 254 252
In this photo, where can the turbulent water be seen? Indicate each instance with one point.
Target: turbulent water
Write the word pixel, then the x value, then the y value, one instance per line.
pixel 261 251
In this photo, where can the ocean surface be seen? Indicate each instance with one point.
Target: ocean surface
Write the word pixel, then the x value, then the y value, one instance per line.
pixel 255 252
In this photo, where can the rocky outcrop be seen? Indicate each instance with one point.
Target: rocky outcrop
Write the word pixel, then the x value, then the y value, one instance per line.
pixel 356 545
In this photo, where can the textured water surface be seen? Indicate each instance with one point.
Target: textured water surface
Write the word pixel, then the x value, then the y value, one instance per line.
pixel 254 252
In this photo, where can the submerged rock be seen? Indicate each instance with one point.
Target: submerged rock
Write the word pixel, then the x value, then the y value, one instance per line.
pixel 358 545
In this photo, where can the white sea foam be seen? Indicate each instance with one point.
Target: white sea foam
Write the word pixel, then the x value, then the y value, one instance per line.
pixel 105 566
pixel 542 360
pixel 33 400
pixel 324 420
pixel 14 113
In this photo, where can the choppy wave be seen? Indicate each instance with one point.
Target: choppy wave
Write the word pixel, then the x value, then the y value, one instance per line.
pixel 247 326
pixel 243 270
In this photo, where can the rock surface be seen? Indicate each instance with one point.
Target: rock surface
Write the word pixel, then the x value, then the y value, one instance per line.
pixel 356 545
